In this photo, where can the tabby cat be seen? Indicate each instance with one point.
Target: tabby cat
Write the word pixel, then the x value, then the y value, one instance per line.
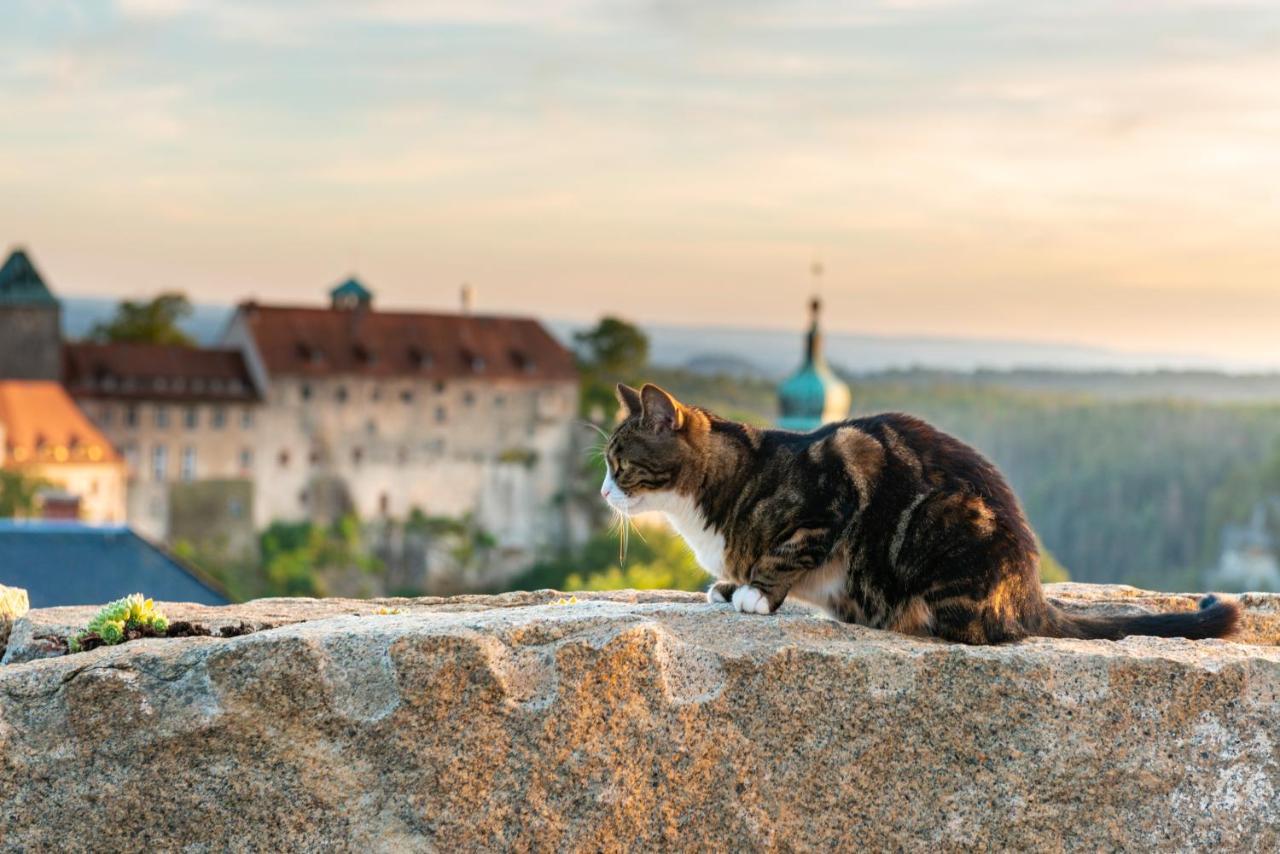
pixel 883 521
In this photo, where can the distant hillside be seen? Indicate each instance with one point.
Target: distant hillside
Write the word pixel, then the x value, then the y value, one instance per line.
pixel 772 353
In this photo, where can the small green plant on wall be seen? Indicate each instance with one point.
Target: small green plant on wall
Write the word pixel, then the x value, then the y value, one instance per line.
pixel 123 619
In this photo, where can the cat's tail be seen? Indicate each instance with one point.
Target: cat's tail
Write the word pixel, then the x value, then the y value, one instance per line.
pixel 1215 618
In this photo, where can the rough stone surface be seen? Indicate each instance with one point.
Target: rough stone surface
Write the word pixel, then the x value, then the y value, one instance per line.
pixel 638 722
pixel 13 604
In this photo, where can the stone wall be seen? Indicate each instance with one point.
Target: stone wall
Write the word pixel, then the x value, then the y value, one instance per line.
pixel 30 342
pixel 635 721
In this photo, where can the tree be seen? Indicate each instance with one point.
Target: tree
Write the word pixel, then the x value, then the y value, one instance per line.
pixel 669 565
pixel 19 494
pixel 613 346
pixel 611 352
pixel 152 322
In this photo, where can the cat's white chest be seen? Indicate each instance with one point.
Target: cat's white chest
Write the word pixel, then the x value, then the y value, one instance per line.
pixel 704 540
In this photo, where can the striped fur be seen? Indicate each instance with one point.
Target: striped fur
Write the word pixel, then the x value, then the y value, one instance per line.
pixel 883 521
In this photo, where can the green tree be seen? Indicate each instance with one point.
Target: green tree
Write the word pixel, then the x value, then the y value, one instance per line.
pixel 611 352
pixel 19 493
pixel 295 554
pixel 154 321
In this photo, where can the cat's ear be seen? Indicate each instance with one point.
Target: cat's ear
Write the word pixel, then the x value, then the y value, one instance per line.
pixel 629 400
pixel 660 408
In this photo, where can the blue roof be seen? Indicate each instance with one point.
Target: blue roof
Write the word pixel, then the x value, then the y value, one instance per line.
pixel 352 288
pixel 71 563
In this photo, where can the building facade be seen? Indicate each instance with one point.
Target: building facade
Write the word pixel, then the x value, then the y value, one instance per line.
pixel 384 413
pixel 178 416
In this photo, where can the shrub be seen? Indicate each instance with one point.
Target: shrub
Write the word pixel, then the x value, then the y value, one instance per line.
pixel 117 620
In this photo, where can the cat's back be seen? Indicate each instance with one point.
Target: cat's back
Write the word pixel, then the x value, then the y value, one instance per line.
pixel 918 456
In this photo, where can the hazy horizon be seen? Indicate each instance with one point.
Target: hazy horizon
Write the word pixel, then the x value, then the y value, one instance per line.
pixel 1089 175
pixel 776 350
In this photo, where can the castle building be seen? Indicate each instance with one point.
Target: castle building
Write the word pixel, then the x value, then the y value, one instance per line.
pixel 311 412
pixel 813 395
pixel 30 323
pixel 378 413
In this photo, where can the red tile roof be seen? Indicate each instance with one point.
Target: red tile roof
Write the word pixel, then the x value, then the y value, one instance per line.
pixel 156 371
pixel 325 342
pixel 43 425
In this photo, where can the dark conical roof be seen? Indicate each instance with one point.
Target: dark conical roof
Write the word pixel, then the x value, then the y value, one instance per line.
pixel 20 282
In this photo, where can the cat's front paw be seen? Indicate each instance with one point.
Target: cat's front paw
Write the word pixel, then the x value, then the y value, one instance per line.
pixel 749 600
pixel 721 592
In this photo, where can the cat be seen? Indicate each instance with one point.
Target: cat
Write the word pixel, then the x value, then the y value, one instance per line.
pixel 883 521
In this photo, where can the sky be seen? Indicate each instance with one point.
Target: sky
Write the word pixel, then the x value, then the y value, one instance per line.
pixel 1100 173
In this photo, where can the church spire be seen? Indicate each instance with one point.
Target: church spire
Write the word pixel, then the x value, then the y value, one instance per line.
pixel 813 395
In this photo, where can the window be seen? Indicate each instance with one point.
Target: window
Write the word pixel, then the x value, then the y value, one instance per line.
pixel 499 400
pixel 402 455
pixel 469 398
pixel 191 418
pixel 159 462
pixel 340 394
pixel 246 418
pixel 406 396
pixel 131 416
pixel 442 415
pixel 235 508
pixel 187 468
pixel 357 455
pixel 439 386
pixel 376 394
pixel 371 427
pixel 246 459
pixel 384 504
pixel 162 416
pixel 305 391
pixel 104 415
pixel 284 459
pixel 130 452
pixel 218 418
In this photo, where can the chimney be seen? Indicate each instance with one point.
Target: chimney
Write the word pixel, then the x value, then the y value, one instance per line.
pixel 468 297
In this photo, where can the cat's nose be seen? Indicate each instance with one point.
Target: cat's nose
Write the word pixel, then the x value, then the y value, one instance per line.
pixel 604 492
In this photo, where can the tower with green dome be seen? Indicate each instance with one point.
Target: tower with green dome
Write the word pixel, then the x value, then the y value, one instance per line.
pixel 813 395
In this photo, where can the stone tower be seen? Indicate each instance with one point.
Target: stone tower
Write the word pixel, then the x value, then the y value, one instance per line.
pixel 30 323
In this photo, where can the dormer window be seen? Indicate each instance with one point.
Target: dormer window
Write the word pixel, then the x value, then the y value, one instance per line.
pixel 309 354
pixel 522 362
pixel 420 359
pixel 364 355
